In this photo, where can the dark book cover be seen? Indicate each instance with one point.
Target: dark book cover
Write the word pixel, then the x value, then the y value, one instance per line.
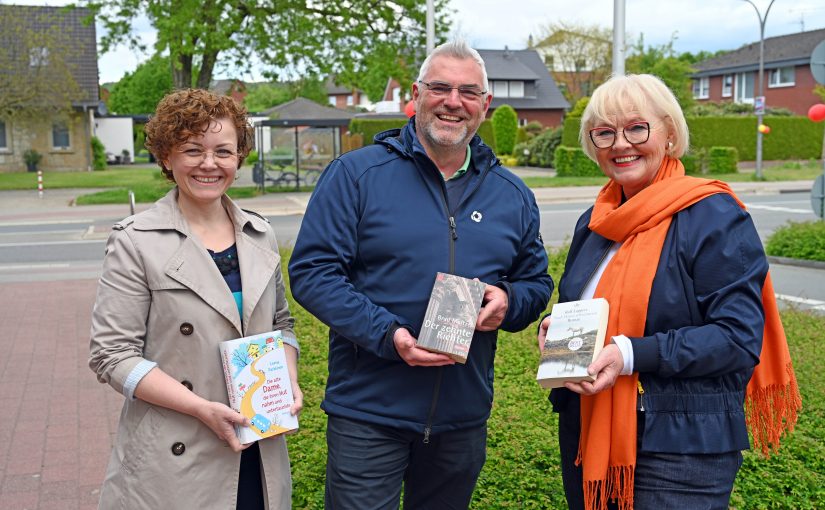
pixel 574 339
pixel 450 320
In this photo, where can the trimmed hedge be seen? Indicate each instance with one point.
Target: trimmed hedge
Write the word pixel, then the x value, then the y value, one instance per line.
pixel 505 127
pixel 723 160
pixel 790 137
pixel 540 150
pixel 573 162
pixel 368 128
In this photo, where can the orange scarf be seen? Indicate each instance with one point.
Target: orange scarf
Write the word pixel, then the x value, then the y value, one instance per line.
pixel 607 447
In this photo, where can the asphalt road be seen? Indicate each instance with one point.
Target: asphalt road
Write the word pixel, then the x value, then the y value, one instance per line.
pixel 53 249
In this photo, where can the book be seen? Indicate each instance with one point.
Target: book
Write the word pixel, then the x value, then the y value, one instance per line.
pixel 574 339
pixel 258 384
pixel 450 319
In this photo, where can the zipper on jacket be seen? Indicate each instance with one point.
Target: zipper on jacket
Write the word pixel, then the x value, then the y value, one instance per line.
pixel 453 232
pixel 436 391
pixel 641 396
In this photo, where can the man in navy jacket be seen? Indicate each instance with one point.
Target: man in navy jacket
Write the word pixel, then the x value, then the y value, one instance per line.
pixel 382 221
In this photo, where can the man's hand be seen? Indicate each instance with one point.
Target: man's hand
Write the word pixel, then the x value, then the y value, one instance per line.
pixel 542 336
pixel 606 368
pixel 415 356
pixel 493 309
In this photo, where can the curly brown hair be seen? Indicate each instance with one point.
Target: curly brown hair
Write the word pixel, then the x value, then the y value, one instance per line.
pixel 188 112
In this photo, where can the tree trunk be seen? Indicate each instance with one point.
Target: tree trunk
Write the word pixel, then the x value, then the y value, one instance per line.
pixel 182 71
pixel 207 66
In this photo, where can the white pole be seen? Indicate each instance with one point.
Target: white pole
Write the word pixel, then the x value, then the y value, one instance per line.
pixel 430 26
pixel 760 85
pixel 618 38
pixel 40 183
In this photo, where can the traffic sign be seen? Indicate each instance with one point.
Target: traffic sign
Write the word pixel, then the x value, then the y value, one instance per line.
pixel 759 105
pixel 818 63
pixel 818 196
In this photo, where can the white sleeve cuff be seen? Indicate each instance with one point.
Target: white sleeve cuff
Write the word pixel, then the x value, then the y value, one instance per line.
pixel 625 347
pixel 134 377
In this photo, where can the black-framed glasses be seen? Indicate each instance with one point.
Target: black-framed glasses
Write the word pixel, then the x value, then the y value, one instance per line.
pixel 196 156
pixel 635 133
pixel 440 89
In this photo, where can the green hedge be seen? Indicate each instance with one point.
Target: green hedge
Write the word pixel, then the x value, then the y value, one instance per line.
pixel 540 150
pixel 573 162
pixel 505 127
pixel 803 240
pixel 723 160
pixel 790 137
pixel 371 127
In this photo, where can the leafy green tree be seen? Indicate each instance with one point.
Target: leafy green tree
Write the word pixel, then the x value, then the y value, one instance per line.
pixel 140 91
pixel 287 37
pixel 505 127
pixel 261 96
pixel 662 61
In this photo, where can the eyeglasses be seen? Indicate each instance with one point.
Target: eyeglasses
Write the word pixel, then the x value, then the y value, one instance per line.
pixel 222 157
pixel 635 133
pixel 440 89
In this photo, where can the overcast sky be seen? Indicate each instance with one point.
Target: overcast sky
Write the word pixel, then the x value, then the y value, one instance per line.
pixel 491 24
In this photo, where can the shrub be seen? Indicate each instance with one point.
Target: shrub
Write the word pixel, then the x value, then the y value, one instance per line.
pixel 485 131
pixel 570 133
pixel 798 240
pixel 723 160
pixel 540 150
pixel 573 162
pixel 98 154
pixel 505 127
pixel 578 108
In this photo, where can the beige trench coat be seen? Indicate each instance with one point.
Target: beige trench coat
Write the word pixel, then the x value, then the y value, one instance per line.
pixel 162 298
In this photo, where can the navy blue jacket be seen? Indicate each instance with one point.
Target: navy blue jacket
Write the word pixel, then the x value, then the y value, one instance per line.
pixel 704 326
pixel 376 231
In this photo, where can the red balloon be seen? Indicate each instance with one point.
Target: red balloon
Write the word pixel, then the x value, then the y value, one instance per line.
pixel 409 109
pixel 817 112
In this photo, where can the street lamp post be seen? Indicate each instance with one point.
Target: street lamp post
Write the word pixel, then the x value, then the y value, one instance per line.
pixel 761 110
pixel 618 37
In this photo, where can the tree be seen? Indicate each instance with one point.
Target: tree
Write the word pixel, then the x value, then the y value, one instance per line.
pixel 662 61
pixel 36 55
pixel 287 37
pixel 140 91
pixel 579 56
pixel 505 126
pixel 262 96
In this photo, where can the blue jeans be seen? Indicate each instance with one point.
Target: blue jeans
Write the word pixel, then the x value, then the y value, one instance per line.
pixel 367 463
pixel 662 480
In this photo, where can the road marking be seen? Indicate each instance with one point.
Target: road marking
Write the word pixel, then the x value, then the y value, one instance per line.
pixel 19 267
pixel 780 209
pixel 51 243
pixel 815 304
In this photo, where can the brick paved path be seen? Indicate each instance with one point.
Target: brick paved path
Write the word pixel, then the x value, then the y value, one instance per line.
pixel 56 421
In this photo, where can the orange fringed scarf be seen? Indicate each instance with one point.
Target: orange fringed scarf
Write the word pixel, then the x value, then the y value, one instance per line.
pixel 607 448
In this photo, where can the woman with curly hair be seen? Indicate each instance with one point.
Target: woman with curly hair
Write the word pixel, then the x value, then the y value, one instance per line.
pixel 179 278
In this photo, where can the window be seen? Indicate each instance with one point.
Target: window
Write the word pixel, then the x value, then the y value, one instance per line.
pixel 38 57
pixel 60 135
pixel 4 143
pixel 701 88
pixel 782 77
pixel 516 89
pixel 333 101
pixel 744 87
pixel 727 85
pixel 350 100
pixel 500 89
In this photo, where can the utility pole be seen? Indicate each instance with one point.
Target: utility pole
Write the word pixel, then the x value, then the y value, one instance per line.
pixel 430 27
pixel 618 37
pixel 759 102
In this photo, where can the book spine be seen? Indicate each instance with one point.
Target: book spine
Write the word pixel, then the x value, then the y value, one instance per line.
pixel 230 383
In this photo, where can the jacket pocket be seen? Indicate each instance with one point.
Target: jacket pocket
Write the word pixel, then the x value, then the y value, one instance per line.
pixel 139 443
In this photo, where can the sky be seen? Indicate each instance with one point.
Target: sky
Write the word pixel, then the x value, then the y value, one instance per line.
pixel 696 25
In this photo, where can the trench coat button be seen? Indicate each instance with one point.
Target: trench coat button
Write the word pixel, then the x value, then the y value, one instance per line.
pixel 187 384
pixel 187 328
pixel 178 448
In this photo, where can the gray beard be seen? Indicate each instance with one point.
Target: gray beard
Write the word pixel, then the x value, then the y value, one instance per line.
pixel 443 141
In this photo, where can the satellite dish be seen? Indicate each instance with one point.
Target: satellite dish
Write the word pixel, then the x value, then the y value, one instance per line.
pixel 102 109
pixel 818 63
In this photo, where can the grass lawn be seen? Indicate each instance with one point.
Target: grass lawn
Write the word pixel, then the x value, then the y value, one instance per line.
pixel 522 469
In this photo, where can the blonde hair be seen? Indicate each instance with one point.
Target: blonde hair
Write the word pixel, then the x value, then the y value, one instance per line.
pixel 634 92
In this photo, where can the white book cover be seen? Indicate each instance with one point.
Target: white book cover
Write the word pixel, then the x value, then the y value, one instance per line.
pixel 574 339
pixel 258 384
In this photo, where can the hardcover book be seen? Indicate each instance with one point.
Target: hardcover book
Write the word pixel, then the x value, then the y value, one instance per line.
pixel 451 315
pixel 574 339
pixel 258 384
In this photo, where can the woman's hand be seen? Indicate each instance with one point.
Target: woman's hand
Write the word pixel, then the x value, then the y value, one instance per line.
pixel 298 399
pixel 543 332
pixel 607 367
pixel 221 420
